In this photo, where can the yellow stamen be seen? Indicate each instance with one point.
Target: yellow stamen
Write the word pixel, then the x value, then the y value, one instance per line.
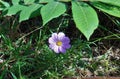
pixel 59 43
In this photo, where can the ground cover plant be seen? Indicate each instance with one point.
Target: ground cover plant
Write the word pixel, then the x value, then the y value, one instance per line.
pixel 57 39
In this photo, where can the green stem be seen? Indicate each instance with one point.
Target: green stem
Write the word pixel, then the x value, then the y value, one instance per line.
pixel 107 37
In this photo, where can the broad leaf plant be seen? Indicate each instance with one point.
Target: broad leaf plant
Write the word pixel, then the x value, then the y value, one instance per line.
pixel 83 11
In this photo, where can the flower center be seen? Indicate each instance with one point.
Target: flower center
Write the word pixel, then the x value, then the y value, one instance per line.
pixel 59 43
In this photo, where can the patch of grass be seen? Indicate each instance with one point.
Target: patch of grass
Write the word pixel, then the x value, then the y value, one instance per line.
pixel 25 53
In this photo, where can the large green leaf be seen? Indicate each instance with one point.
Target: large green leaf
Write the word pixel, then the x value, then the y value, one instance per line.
pixel 52 10
pixel 14 9
pixel 14 2
pixel 29 1
pixel 45 1
pixel 6 4
pixel 110 9
pixel 85 18
pixel 111 2
pixel 3 5
pixel 27 11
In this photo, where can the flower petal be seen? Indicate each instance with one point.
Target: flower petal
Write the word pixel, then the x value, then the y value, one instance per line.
pixel 63 50
pixel 51 40
pixel 56 49
pixel 65 40
pixel 61 35
pixel 52 46
pixel 54 35
pixel 66 46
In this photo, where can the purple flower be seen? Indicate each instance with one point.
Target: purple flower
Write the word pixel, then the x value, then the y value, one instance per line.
pixel 59 42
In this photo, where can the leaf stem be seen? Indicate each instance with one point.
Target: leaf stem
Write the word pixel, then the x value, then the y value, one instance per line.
pixel 107 37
